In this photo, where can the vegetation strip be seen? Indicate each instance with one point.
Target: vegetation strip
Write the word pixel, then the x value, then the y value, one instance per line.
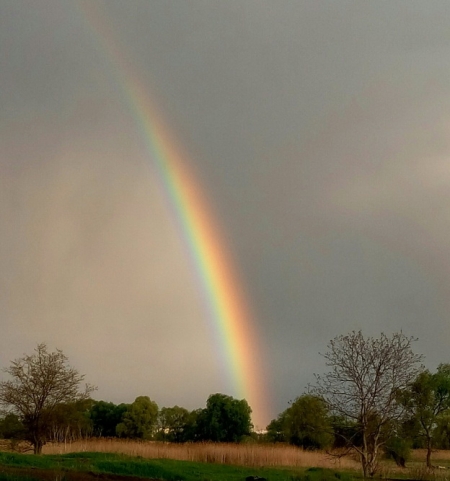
pixel 375 400
pixel 113 465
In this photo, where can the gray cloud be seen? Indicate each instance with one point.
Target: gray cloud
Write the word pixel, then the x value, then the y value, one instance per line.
pixel 319 131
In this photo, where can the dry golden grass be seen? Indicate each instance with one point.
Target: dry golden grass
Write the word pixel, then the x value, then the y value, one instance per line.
pixel 257 455
pixel 438 455
pixel 237 454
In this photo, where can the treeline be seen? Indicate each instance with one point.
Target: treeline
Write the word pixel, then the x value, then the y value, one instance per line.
pixel 224 419
pixel 309 424
pixel 376 396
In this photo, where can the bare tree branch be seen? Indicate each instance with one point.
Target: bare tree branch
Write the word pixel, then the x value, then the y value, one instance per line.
pixel 365 377
pixel 40 382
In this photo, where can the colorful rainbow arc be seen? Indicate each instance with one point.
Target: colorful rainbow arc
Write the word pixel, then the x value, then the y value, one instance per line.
pixel 229 310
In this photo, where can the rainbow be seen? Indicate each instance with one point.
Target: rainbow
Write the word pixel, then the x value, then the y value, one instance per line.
pixel 229 311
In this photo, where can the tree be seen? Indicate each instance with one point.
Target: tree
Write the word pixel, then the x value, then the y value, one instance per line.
pixel 70 421
pixel 426 399
pixel 105 417
pixel 276 429
pixel 191 430
pixel 39 383
pixel 173 423
pixel 398 447
pixel 225 419
pixel 139 420
pixel 442 432
pixel 363 384
pixel 343 428
pixel 11 427
pixel 307 423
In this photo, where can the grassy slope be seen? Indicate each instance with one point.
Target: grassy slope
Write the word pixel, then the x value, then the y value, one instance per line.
pixel 164 469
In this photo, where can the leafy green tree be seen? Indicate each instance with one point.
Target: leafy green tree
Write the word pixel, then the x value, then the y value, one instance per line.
pixel 276 429
pixel 308 424
pixel 139 420
pixel 426 399
pixel 11 427
pixel 105 417
pixel 398 448
pixel 344 429
pixel 173 423
pixel 305 423
pixel 70 421
pixel 225 419
pixel 38 384
pixel 191 428
pixel 442 432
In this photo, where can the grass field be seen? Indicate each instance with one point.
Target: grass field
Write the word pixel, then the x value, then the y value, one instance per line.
pixel 59 467
pixel 443 456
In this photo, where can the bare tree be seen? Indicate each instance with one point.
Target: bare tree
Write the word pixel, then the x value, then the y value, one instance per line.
pixel 362 387
pixel 39 383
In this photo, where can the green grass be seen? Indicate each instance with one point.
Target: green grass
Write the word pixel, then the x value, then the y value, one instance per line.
pixel 13 477
pixel 163 469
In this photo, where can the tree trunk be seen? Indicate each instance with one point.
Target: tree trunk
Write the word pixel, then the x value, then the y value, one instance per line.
pixel 364 453
pixel 365 463
pixel 428 452
pixel 364 466
pixel 37 447
pixel 372 464
pixel 374 455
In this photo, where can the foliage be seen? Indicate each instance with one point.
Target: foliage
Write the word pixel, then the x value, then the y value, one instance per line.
pixel 191 428
pixel 426 399
pixel 139 420
pixel 305 423
pixel 276 429
pixel 362 385
pixel 173 424
pixel 39 383
pixel 105 417
pixel 344 429
pixel 441 433
pixel 225 419
pixel 11 427
pixel 399 449
pixel 70 421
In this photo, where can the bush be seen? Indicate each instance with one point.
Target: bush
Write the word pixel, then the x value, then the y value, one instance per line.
pixel 399 450
pixel 11 427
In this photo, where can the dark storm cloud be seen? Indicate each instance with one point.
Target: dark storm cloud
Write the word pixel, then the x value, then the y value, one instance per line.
pixel 319 131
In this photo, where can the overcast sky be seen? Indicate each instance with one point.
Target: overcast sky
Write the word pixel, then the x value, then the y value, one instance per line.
pixel 319 132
